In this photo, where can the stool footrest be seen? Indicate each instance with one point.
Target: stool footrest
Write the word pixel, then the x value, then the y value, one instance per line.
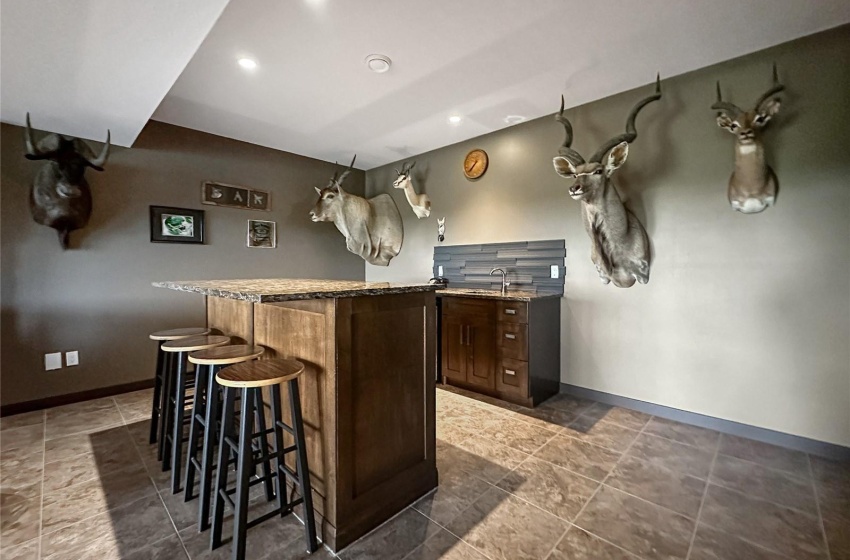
pixel 287 429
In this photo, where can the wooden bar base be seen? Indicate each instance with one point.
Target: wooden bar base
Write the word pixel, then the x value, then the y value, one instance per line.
pixel 367 397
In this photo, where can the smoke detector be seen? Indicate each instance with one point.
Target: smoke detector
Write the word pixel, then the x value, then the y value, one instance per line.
pixel 378 63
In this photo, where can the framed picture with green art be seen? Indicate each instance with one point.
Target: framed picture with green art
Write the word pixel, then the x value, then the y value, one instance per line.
pixel 176 225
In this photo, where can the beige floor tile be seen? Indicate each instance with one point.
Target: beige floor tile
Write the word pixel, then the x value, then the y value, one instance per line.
pixel 17 443
pixel 636 525
pixel 677 491
pixel 581 545
pixel 504 527
pixel 170 548
pixel 762 482
pixel 33 418
pixel 67 506
pixel 711 544
pixel 113 534
pixel 549 487
pixel 82 422
pixel 614 414
pixel 828 471
pixel 25 551
pixel 444 546
pixel 485 459
pixel 517 435
pixel 683 433
pixel 580 457
pixel 602 432
pixel 457 490
pixel 98 443
pixel 675 456
pixel 19 519
pixel 22 475
pixel 765 454
pixel 778 528
pixel 393 540
pixel 88 466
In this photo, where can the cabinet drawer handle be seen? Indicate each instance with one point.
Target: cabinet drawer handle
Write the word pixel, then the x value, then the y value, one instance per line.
pixel 510 372
pixel 510 336
pixel 510 311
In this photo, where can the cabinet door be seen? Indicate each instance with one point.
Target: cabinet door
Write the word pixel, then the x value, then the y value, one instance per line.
pixel 454 347
pixel 480 351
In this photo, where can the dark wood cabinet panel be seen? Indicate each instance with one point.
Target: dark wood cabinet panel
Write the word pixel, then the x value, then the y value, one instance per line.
pixel 507 349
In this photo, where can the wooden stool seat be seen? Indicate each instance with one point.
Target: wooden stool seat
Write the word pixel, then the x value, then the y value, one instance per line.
pixel 174 334
pixel 225 355
pixel 195 343
pixel 260 373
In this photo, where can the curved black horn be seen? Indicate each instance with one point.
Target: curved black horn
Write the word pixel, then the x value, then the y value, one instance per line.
pixel 98 162
pixel 631 131
pixel 32 150
pixel 565 149
pixel 730 109
pixel 347 171
pixel 776 88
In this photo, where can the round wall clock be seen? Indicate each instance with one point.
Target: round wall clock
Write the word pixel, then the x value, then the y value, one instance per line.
pixel 475 164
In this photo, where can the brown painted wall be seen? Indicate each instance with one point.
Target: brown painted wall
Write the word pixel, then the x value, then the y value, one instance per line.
pixel 745 318
pixel 97 297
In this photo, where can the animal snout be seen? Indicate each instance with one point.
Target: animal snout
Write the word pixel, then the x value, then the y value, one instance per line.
pixel 747 134
pixel 313 216
pixel 576 189
pixel 68 191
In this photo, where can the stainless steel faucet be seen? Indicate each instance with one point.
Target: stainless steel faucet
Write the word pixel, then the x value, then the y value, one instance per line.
pixel 505 282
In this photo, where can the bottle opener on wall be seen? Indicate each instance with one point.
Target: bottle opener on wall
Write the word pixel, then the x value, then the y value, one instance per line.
pixel 753 185
pixel 60 196
pixel 619 244
pixel 441 229
pixel 420 203
pixel 372 228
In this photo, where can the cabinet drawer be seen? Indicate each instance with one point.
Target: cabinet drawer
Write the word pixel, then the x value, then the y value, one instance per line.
pixel 512 340
pixel 512 311
pixel 468 306
pixel 512 377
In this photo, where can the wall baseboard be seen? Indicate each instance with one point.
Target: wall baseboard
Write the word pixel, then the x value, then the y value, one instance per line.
pixel 799 443
pixel 59 400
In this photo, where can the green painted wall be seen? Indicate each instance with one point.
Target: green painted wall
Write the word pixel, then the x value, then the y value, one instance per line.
pixel 745 318
pixel 97 298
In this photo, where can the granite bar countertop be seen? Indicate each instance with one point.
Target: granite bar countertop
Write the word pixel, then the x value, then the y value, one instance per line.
pixel 494 294
pixel 267 290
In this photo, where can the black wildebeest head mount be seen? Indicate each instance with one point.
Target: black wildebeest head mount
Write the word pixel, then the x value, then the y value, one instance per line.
pixel 60 197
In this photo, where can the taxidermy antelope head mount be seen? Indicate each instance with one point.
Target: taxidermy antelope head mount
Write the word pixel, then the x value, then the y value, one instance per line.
pixel 420 203
pixel 752 187
pixel 372 228
pixel 60 197
pixel 619 244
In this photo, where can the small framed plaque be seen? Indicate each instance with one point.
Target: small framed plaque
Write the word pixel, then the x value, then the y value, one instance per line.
pixel 262 234
pixel 233 196
pixel 176 225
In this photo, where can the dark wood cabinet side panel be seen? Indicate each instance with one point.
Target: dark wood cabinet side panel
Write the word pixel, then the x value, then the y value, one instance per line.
pixel 386 371
pixel 544 348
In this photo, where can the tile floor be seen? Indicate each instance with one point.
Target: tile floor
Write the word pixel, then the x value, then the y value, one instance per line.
pixel 572 479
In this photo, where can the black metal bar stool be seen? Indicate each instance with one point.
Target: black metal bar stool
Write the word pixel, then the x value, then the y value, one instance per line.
pixel 162 366
pixel 205 419
pixel 175 401
pixel 249 378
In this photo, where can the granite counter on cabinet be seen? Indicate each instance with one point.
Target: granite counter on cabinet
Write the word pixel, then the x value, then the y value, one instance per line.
pixel 367 392
pixel 266 290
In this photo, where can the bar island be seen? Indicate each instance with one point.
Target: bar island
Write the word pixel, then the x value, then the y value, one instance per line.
pixel 367 393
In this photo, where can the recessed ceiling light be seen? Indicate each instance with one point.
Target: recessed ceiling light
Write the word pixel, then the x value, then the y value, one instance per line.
pixel 514 119
pixel 455 119
pixel 378 63
pixel 247 63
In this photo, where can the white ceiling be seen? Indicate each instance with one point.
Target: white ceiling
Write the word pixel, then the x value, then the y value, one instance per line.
pixel 83 66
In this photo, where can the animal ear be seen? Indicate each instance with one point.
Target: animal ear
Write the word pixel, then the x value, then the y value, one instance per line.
pixel 724 122
pixel 766 110
pixel 318 191
pixel 564 167
pixel 617 157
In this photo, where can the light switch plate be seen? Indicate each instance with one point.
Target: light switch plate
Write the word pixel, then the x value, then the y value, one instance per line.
pixel 439 270
pixel 553 271
pixel 53 361
pixel 72 358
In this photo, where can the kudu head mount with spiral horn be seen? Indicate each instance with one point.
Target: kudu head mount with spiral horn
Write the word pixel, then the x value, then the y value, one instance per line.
pixel 619 244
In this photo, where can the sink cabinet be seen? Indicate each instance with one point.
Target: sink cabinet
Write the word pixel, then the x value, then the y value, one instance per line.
pixel 503 348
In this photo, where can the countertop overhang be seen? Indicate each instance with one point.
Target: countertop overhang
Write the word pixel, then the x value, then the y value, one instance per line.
pixel 270 290
pixel 494 294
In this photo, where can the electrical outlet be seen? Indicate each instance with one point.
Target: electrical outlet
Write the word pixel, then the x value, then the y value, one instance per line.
pixel 440 270
pixel 72 358
pixel 553 271
pixel 53 361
